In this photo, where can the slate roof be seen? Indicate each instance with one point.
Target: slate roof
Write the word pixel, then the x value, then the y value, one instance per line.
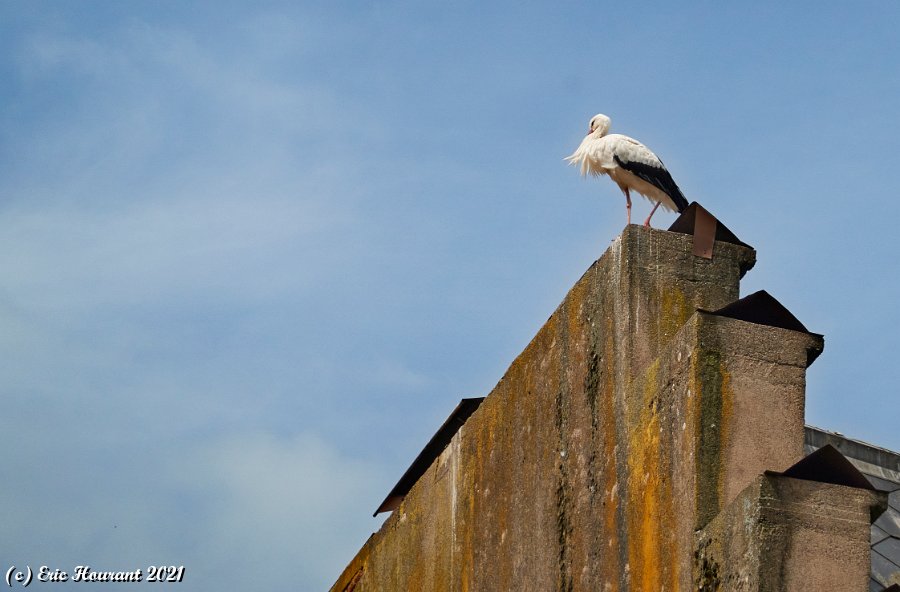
pixel 882 468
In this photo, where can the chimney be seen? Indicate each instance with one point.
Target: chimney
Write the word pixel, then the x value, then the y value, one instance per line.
pixel 649 402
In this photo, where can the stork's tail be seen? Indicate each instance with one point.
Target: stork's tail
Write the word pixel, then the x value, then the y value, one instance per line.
pixel 677 197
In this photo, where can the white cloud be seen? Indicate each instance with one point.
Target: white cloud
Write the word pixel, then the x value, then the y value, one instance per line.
pixel 175 172
pixel 147 251
pixel 291 504
pixel 240 512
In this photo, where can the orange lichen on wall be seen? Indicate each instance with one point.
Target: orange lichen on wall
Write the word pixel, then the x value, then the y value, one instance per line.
pixel 674 311
pixel 643 491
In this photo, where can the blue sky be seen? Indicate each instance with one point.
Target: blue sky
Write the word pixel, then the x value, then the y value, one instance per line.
pixel 252 254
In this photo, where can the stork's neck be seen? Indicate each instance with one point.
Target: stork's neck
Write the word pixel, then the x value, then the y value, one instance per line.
pixel 599 132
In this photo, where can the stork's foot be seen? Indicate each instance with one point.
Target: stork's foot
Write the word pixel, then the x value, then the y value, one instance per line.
pixel 653 211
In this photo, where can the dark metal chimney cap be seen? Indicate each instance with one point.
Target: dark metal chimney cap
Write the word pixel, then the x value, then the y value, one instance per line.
pixel 827 465
pixel 687 223
pixel 762 308
pixel 432 450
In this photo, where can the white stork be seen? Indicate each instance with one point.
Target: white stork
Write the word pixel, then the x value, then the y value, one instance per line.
pixel 630 164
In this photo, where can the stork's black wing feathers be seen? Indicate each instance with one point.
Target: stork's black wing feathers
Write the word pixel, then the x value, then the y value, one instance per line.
pixel 657 176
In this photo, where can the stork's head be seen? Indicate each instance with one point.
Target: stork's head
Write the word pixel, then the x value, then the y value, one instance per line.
pixel 599 125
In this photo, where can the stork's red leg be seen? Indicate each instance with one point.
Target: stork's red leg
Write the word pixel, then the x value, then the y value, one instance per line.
pixel 647 221
pixel 627 204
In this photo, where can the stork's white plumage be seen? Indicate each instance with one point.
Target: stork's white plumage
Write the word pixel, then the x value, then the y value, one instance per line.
pixel 630 164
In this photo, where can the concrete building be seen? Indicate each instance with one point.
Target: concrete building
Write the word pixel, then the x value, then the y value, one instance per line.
pixel 650 437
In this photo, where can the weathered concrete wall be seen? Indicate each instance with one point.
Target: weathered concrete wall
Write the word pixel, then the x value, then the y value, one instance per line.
pixel 627 423
pixel 783 534
pixel 722 404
